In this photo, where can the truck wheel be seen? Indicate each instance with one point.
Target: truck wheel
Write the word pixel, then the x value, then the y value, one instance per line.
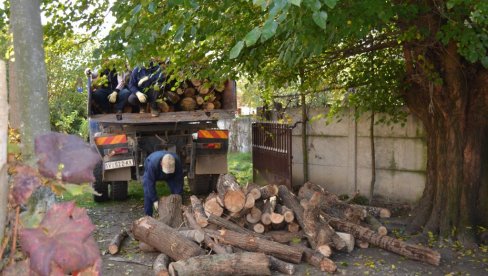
pixel 119 190
pixel 203 183
pixel 99 186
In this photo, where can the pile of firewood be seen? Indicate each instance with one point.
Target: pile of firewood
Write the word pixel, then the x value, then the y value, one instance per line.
pixel 192 95
pixel 253 230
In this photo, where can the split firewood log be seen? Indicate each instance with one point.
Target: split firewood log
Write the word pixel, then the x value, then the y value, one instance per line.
pixel 116 242
pixel 164 238
pixel 160 266
pixel 230 193
pixel 169 210
pixel 246 263
pixel 349 239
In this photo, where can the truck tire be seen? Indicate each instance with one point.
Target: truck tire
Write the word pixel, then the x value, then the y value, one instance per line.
pixel 119 190
pixel 203 184
pixel 99 186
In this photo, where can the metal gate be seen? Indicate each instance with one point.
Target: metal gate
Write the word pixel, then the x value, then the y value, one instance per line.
pixel 271 153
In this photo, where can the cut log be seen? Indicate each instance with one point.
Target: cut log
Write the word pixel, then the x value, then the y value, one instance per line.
pixel 169 210
pixel 229 225
pixel 230 192
pixel 191 221
pixel 324 250
pixel 144 247
pixel 293 227
pixel 115 243
pixel 415 252
pixel 378 212
pixel 284 236
pixel 249 203
pixel 257 227
pixel 375 225
pixel 253 189
pixel 188 104
pixel 246 263
pixel 199 100
pixel 286 212
pixel 319 261
pixel 194 235
pixel 164 238
pixel 268 191
pixel 255 244
pixel 267 210
pixel 281 266
pixel 212 205
pixel 349 239
pixel 198 211
pixel 254 215
pixel 290 201
pixel 362 244
pixel 160 266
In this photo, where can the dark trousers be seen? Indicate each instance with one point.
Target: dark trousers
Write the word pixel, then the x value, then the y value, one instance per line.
pixel 152 96
pixel 101 103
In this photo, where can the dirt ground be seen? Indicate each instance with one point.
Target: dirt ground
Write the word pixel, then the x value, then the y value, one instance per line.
pixel 111 217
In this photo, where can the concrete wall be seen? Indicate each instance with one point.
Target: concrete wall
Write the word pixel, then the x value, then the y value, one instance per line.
pixel 340 157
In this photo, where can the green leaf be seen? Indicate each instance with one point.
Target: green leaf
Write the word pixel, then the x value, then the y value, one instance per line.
pixel 450 4
pixel 137 9
pixel 295 2
pixel 330 3
pixel 484 61
pixel 165 28
pixel 269 29
pixel 128 31
pixel 252 37
pixel 152 7
pixel 320 18
pixel 236 50
pixel 258 2
pixel 179 33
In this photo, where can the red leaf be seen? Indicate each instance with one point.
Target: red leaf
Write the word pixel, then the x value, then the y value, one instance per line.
pixel 77 157
pixel 63 239
pixel 25 182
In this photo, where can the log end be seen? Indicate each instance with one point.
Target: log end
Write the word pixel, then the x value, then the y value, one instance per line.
pixel 234 201
pixel 385 213
pixel 113 249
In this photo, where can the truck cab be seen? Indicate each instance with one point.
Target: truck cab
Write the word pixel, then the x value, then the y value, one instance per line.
pixel 125 140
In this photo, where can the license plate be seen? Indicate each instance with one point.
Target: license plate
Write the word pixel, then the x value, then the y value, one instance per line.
pixel 119 164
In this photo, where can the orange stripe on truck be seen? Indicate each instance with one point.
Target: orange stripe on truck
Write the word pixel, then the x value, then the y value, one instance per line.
pixel 220 134
pixel 111 140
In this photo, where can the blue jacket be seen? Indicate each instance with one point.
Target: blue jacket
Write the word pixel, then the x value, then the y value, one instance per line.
pixel 154 172
pixel 153 72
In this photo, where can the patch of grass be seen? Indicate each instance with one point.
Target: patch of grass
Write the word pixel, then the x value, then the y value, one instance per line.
pixel 136 194
pixel 240 165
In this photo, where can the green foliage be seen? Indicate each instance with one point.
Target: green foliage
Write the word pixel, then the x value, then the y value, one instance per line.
pixel 240 165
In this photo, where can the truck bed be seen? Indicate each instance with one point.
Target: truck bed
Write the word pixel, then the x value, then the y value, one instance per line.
pixel 169 117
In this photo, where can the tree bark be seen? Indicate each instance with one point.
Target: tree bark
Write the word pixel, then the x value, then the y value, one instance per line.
pixel 280 266
pixel 164 238
pixel 268 191
pixel 229 225
pixel 4 186
pixel 284 236
pixel 319 261
pixel 255 244
pixel 160 266
pixel 415 252
pixel 169 210
pixel 114 246
pixel 246 263
pixel 207 239
pixel 230 193
pixel 375 225
pixel 375 211
pixel 198 211
pixel 213 205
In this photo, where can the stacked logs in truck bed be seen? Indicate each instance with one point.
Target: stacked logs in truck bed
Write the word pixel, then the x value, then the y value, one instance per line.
pixel 192 95
pixel 252 230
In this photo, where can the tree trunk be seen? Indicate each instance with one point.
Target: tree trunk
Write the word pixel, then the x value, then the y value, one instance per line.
pixel 280 266
pixel 252 243
pixel 373 157
pixel 246 263
pixel 4 186
pixel 198 211
pixel 164 238
pixel 213 205
pixel 454 113
pixel 208 240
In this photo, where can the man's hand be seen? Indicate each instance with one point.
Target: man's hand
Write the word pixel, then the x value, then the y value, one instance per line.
pixel 142 81
pixel 112 97
pixel 142 98
pixel 87 71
